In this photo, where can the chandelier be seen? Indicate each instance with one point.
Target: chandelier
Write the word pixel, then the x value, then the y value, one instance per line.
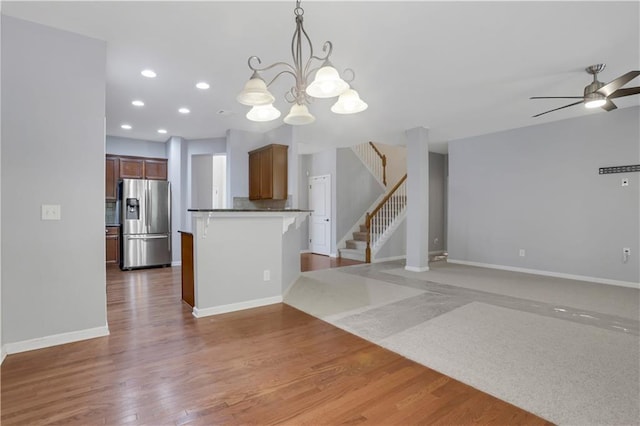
pixel 327 83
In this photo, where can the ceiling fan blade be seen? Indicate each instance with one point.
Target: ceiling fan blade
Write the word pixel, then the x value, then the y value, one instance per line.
pixel 625 92
pixel 562 107
pixel 556 97
pixel 609 106
pixel 614 85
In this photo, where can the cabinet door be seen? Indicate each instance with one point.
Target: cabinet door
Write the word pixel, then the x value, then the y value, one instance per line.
pixel 155 169
pixel 266 174
pixel 111 178
pixel 112 245
pixel 254 175
pixel 279 172
pixel 131 168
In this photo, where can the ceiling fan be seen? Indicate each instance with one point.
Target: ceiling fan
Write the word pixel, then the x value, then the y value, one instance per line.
pixel 599 94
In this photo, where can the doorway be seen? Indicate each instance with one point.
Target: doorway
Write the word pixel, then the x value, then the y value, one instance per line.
pixel 208 181
pixel 320 220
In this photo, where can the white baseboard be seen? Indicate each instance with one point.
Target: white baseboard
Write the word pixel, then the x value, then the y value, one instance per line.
pixel 232 307
pixel 305 251
pixel 55 339
pixel 334 255
pixel 416 268
pixel 3 355
pixel 176 263
pixel 548 273
pixel 388 259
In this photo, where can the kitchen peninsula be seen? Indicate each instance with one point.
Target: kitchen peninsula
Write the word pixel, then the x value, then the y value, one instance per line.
pixel 243 258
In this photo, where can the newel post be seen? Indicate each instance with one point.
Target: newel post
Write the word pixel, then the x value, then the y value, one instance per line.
pixel 368 249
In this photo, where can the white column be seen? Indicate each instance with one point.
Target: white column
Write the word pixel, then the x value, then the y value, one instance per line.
pixel 175 173
pixel 417 200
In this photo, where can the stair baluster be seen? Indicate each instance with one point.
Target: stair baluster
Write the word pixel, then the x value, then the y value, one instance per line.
pixel 384 214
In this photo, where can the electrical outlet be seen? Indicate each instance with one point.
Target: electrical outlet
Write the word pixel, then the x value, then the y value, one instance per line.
pixel 266 275
pixel 50 212
pixel 522 253
pixel 625 182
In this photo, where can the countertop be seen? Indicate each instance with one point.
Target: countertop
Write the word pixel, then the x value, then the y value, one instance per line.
pixel 250 210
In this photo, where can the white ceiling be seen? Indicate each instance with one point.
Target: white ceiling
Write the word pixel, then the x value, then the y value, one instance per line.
pixel 458 68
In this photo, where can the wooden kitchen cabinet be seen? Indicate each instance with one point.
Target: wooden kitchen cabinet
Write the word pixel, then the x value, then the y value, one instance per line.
pixel 112 244
pixel 131 168
pixel 268 173
pixel 155 169
pixel 112 174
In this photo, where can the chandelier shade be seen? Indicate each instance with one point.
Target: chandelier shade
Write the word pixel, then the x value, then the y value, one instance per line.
pixel 255 93
pixel 349 102
pixel 326 84
pixel 263 113
pixel 299 115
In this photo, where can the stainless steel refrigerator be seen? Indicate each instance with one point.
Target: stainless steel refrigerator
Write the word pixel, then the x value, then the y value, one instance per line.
pixel 146 223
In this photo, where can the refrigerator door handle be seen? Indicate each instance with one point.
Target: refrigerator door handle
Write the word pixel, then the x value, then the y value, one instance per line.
pixel 147 192
pixel 146 237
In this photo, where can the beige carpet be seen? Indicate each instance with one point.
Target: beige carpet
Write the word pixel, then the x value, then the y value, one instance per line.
pixel 565 350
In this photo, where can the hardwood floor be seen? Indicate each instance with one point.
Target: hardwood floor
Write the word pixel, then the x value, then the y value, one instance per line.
pixel 312 262
pixel 268 365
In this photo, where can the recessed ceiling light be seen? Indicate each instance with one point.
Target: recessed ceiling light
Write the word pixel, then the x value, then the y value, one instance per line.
pixel 137 103
pixel 148 73
pixel 126 126
pixel 203 85
pixel 184 110
pixel 163 131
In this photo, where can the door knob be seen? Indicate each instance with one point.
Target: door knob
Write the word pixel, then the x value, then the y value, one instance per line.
pixel 326 220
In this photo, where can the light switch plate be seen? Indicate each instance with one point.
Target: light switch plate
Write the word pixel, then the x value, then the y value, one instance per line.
pixel 50 212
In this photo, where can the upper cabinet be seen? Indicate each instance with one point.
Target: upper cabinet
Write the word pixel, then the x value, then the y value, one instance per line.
pixel 131 168
pixel 112 174
pixel 268 173
pixel 155 169
pixel 118 167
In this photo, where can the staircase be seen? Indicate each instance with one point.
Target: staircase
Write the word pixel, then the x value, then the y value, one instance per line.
pixel 386 215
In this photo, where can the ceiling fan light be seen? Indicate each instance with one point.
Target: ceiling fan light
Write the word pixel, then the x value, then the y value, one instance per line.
pixel 263 113
pixel 299 115
pixel 327 83
pixel 349 103
pixel 255 93
pixel 595 103
pixel 594 100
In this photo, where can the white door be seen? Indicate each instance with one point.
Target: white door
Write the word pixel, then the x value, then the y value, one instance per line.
pixel 320 223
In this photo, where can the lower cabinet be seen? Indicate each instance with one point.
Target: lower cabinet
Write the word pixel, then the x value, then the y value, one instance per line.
pixel 112 244
pixel 188 294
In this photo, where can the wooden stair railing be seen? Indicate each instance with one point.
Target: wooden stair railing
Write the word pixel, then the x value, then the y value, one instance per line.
pixel 384 214
pixel 383 158
pixel 375 160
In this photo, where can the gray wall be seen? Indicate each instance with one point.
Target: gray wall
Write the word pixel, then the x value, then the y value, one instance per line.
pixel 395 246
pixel 356 190
pixel 136 147
pixel 320 164
pixel 437 197
pixel 53 109
pixel 239 143
pixel 537 188
pixel 2 351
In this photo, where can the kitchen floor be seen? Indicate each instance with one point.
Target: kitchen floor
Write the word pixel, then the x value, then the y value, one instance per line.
pixel 273 364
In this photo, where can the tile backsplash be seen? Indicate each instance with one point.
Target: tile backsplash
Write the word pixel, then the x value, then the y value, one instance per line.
pixel 110 216
pixel 245 203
